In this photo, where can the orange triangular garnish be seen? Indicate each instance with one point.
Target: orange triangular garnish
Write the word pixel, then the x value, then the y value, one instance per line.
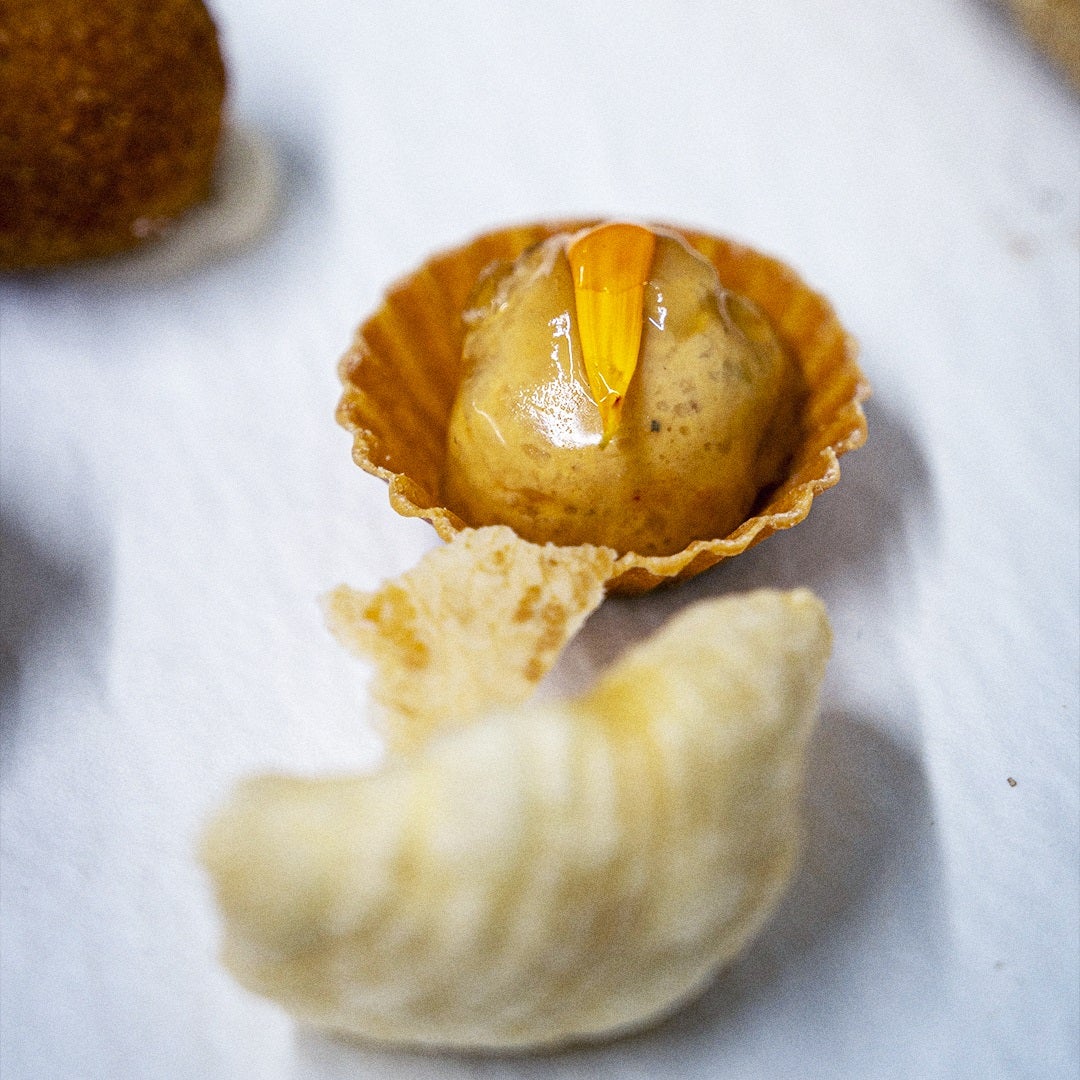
pixel 611 265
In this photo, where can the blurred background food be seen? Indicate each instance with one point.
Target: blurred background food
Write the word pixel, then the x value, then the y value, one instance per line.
pixel 110 114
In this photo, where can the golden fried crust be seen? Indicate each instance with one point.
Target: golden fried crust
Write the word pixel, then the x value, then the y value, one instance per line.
pixel 476 624
pixel 110 114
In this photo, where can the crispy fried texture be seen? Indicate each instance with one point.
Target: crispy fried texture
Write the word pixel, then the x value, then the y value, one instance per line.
pixel 110 114
pixel 477 623
pixel 404 371
pixel 550 873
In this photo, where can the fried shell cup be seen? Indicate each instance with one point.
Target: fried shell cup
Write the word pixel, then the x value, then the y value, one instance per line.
pixel 402 373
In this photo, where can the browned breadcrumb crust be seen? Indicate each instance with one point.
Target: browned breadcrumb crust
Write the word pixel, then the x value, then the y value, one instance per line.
pixel 110 114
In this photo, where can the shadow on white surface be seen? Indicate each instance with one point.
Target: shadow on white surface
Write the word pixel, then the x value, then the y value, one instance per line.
pixel 47 604
pixel 254 231
pixel 855 543
pixel 996 17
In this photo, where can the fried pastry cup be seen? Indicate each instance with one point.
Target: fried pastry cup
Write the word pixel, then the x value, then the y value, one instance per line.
pixel 401 376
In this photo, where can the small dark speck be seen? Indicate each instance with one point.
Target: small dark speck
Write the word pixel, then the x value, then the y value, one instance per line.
pixel 1021 245
pixel 654 426
pixel 1012 782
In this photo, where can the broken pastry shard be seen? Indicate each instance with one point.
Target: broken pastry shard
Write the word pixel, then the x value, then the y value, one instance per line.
pixel 477 623
pixel 548 874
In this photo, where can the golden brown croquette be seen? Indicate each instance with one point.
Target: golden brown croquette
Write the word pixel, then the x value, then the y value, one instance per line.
pixel 110 114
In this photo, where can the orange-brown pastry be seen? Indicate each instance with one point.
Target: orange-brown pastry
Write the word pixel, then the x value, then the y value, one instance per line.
pixel 110 115
pixel 669 394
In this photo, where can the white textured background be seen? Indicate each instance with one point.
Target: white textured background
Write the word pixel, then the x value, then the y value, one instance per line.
pixel 175 496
